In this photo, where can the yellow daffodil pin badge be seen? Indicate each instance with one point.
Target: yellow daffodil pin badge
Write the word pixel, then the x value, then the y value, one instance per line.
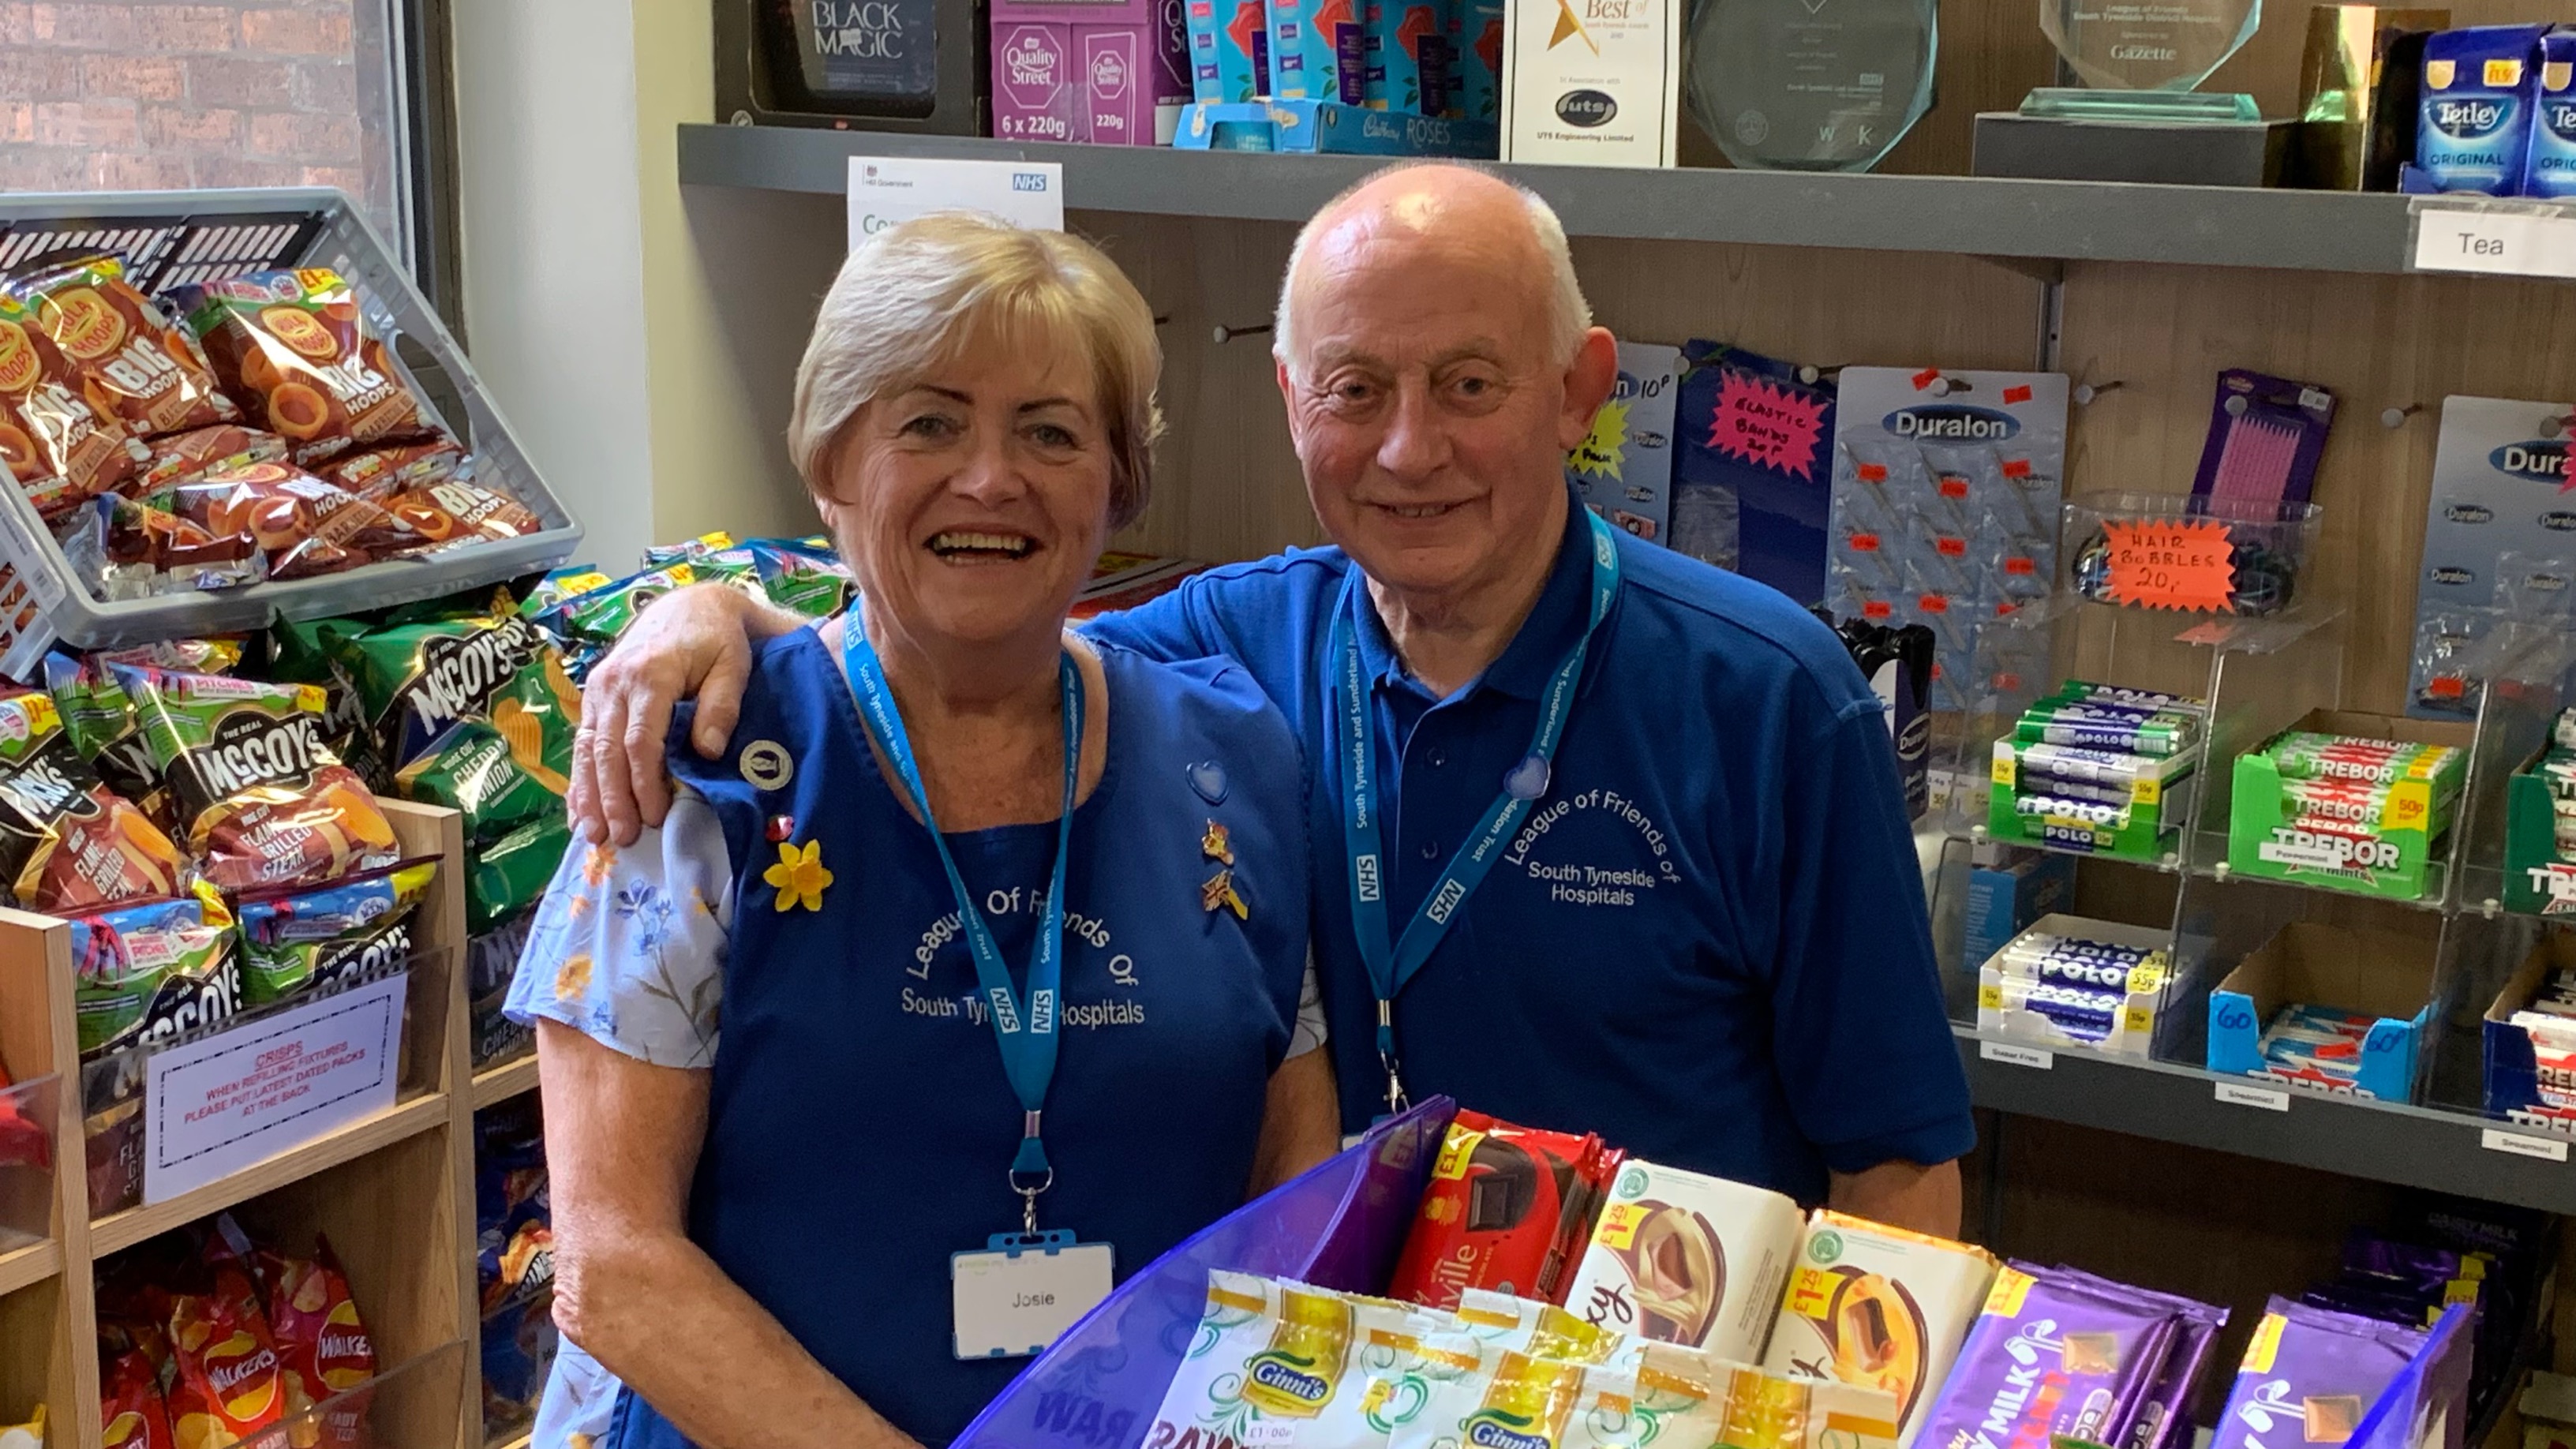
pixel 799 876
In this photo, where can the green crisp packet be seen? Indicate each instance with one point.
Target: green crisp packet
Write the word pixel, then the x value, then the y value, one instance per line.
pixel 511 873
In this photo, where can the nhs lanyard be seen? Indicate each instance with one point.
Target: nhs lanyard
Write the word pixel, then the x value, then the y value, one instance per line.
pixel 1025 1027
pixel 1390 967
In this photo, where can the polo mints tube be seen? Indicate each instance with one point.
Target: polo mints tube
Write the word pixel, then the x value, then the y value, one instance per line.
pixel 2094 726
pixel 1679 1257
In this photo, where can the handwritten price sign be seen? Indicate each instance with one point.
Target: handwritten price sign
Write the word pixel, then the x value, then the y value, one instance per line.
pixel 2181 563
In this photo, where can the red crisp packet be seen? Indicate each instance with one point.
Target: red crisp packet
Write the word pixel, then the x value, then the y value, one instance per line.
pixel 130 1408
pixel 1508 1208
pixel 320 1339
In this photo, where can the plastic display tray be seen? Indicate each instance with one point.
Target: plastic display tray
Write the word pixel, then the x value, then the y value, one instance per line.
pixel 168 238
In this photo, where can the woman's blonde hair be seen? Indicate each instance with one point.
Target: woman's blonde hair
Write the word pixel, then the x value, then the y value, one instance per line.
pixel 919 294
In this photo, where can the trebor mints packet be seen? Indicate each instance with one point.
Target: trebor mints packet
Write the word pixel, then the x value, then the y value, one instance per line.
pixel 2550 168
pixel 2480 87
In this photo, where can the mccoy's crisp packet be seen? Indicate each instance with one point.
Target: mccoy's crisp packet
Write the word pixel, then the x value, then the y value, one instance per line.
pixel 1684 1258
pixel 1508 1208
pixel 2309 1375
pixel 416 681
pixel 262 800
pixel 67 842
pixel 509 876
pixel 134 363
pixel 1879 1307
pixel 315 938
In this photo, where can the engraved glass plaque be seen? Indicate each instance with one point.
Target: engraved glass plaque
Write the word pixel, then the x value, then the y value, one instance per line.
pixel 2141 59
pixel 1811 85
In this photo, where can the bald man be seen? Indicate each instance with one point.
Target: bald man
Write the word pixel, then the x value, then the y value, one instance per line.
pixel 1604 838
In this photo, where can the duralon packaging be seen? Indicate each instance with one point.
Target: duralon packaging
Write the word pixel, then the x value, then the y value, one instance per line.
pixel 1507 1209
pixel 1083 72
pixel 2052 1357
pixel 1593 82
pixel 1318 50
pixel 1624 469
pixel 1683 1258
pixel 2481 86
pixel 1881 1308
pixel 2549 167
pixel 2309 1375
pixel 1229 49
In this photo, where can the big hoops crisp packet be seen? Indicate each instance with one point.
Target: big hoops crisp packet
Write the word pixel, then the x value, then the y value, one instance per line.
pixel 290 346
pixel 61 450
pixel 134 365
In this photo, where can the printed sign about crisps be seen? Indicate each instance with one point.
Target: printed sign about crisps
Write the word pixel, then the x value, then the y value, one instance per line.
pixel 2179 563
pixel 217 1105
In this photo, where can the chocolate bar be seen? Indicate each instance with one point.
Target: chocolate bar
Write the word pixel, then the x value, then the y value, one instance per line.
pixel 2109 1345
pixel 1881 1308
pixel 2325 1367
pixel 1679 1257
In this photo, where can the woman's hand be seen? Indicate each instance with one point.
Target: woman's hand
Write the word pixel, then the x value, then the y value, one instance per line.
pixel 694 642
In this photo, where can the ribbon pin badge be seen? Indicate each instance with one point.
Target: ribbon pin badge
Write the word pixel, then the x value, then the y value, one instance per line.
pixel 1219 891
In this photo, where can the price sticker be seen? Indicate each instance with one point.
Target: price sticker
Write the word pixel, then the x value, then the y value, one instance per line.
pixel 2036 1058
pixel 2534 242
pixel 2237 1094
pixel 2179 563
pixel 2514 1144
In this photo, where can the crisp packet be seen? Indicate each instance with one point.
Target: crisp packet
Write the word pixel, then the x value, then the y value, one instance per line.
pixel 509 876
pixel 1272 1352
pixel 803 574
pixel 149 970
pixel 322 1345
pixel 1527 1326
pixel 262 800
pixel 1512 1402
pixel 229 1382
pixel 99 717
pixel 120 549
pixel 1507 1209
pixel 316 938
pixel 134 363
pixel 379 473
pixel 130 1407
pixel 455 512
pixel 291 349
pixel 511 768
pixel 585 624
pixel 59 448
pixel 304 525
pixel 2309 1375
pixel 67 842
pixel 189 456
pixel 416 681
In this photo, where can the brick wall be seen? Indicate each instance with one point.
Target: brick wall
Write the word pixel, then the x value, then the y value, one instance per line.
pixel 99 94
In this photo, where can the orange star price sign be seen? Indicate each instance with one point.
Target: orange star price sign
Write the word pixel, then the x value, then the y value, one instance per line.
pixel 2171 563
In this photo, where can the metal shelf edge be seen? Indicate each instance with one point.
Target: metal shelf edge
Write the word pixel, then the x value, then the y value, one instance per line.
pixel 2409 1146
pixel 1966 215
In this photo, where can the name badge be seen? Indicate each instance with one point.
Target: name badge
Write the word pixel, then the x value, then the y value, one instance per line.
pixel 1021 1293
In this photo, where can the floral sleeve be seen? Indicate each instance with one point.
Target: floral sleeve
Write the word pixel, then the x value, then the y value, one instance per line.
pixel 629 946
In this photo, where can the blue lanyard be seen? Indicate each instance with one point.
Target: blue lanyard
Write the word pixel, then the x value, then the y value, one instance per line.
pixel 1025 1027
pixel 1389 968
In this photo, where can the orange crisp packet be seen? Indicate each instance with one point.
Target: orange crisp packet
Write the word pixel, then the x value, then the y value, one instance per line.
pixel 134 365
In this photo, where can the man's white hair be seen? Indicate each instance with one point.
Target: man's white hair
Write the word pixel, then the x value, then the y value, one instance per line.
pixel 1569 315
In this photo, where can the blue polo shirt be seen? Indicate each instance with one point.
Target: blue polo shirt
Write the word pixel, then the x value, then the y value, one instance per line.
pixel 1708 942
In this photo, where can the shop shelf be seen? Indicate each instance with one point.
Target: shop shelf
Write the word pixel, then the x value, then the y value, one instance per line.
pixel 501 1083
pixel 2037 221
pixel 2415 1146
pixel 33 1263
pixel 394 1124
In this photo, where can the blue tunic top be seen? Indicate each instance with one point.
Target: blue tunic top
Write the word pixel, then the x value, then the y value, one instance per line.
pixel 859 1122
pixel 1707 943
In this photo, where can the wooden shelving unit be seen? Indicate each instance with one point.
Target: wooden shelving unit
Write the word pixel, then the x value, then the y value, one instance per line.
pixel 495 1085
pixel 394 1191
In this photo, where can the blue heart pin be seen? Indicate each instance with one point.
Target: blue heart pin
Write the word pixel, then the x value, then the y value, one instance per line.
pixel 1208 778
pixel 1527 780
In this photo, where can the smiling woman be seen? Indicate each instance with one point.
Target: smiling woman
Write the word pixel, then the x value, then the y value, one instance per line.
pixel 985 830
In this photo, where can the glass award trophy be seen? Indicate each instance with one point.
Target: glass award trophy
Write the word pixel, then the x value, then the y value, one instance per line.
pixel 2139 60
pixel 1811 85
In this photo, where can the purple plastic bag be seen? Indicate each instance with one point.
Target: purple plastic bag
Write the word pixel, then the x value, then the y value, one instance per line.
pixel 2311 1375
pixel 2051 1355
pixel 1338 1226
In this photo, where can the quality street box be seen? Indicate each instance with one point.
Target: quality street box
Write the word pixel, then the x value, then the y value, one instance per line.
pixel 1110 75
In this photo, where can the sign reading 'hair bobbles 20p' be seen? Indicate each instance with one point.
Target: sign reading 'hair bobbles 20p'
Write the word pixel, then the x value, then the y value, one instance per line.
pixel 885 190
